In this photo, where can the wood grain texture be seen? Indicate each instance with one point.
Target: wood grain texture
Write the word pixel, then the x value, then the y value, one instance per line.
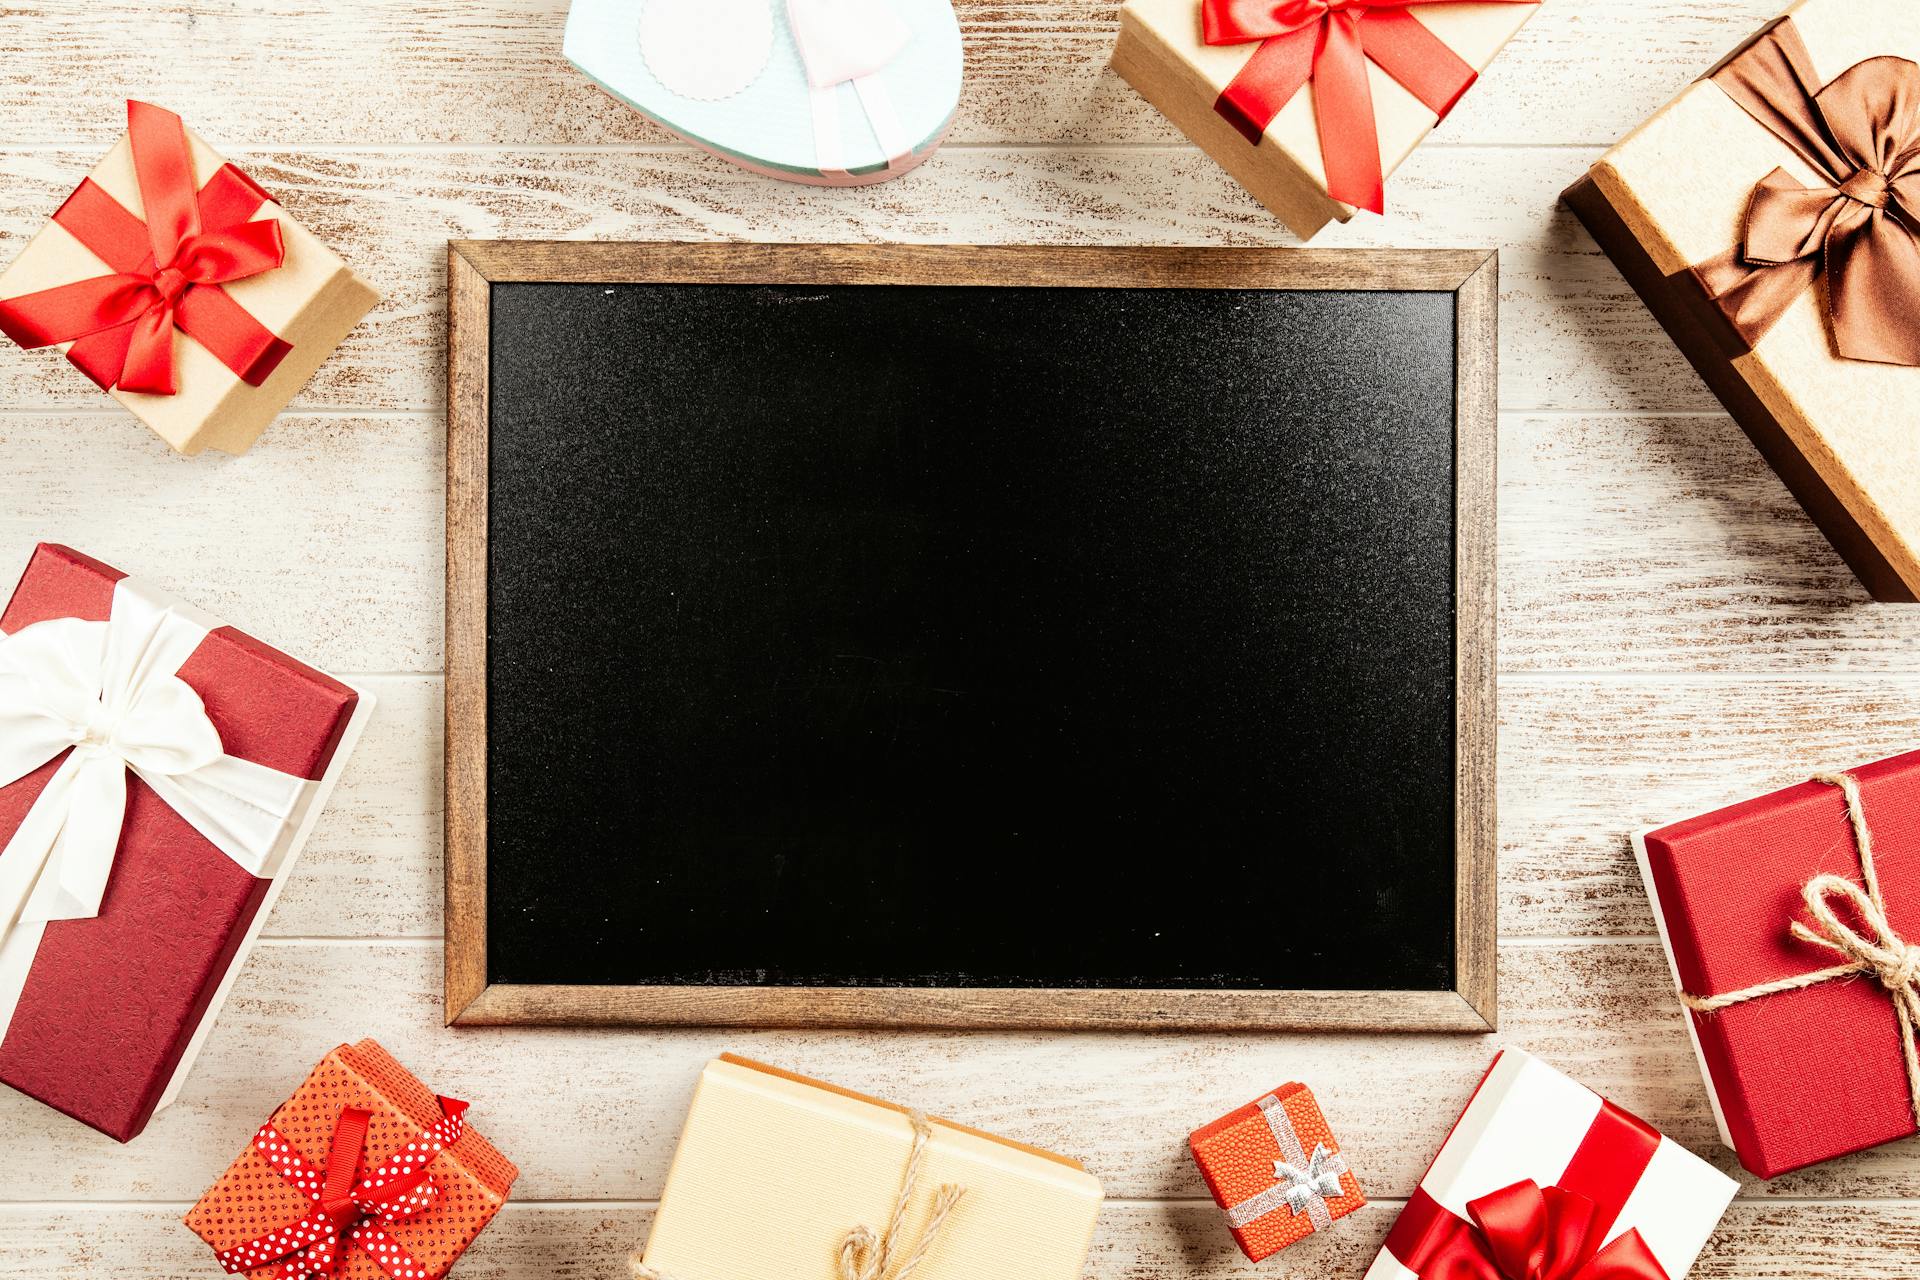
pixel 1174 1241
pixel 1672 632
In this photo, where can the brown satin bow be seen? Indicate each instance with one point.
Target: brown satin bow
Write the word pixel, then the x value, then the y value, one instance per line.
pixel 1861 135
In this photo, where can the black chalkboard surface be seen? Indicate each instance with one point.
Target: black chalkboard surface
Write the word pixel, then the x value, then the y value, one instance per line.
pixel 1094 641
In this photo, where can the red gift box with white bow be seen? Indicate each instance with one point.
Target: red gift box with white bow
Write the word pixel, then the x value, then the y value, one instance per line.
pixel 159 773
pixel 1541 1167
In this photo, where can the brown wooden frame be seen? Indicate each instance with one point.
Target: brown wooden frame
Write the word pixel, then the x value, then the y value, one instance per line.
pixel 1471 276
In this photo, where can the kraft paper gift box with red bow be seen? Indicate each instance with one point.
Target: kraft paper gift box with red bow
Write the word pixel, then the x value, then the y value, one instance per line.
pixel 159 774
pixel 1275 1169
pixel 1791 922
pixel 1311 104
pixel 1770 218
pixel 829 92
pixel 178 285
pixel 778 1177
pixel 1542 1179
pixel 363 1174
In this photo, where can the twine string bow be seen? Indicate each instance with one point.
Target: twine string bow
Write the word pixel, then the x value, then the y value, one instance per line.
pixel 1878 951
pixel 866 1256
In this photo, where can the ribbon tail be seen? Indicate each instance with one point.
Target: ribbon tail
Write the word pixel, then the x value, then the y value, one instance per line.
pixel 74 880
pixel 212 318
pixel 1279 69
pixel 247 810
pixel 1627 1258
pixel 149 367
pixel 1754 298
pixel 1343 106
pixel 101 356
pixel 24 859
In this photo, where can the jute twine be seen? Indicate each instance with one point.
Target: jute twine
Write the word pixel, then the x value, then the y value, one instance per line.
pixel 1880 951
pixel 864 1256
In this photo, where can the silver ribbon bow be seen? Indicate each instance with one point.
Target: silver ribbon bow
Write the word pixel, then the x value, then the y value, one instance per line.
pixel 1318 1181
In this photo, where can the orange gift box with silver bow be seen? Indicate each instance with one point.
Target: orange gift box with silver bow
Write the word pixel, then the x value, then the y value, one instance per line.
pixel 1792 923
pixel 1275 1169
pixel 1310 104
pixel 1770 218
pixel 363 1174
pixel 178 285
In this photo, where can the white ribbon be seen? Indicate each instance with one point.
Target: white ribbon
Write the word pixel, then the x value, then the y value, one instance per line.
pixel 850 42
pixel 111 692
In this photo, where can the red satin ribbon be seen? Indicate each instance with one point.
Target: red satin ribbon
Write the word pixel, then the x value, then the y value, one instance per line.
pixel 1328 43
pixel 348 1214
pixel 1525 1232
pixel 166 271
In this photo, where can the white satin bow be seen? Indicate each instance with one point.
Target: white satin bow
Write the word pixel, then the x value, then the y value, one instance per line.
pixel 111 692
pixel 850 42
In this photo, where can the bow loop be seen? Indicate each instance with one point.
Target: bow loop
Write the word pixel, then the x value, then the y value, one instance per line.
pixel 1526 1232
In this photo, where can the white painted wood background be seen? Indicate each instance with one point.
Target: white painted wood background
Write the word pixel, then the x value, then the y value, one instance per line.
pixel 1673 631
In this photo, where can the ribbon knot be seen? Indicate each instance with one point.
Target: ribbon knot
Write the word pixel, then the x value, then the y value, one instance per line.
pixel 165 272
pixel 348 1213
pixel 1859 224
pixel 1868 187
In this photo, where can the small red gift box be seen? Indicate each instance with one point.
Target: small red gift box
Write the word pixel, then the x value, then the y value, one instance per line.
pixel 363 1174
pixel 1789 922
pixel 1276 1170
pixel 159 773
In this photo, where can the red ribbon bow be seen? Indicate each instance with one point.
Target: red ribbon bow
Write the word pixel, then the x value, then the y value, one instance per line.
pixel 1327 43
pixel 1523 1232
pixel 166 271
pixel 347 1213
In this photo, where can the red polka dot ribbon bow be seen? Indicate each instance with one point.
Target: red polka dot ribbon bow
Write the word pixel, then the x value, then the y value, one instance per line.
pixel 348 1214
pixel 166 271
pixel 1328 43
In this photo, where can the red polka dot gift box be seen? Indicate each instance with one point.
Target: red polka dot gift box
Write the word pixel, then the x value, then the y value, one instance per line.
pixel 363 1174
pixel 1275 1169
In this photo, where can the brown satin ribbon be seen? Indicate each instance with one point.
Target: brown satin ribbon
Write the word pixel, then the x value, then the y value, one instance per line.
pixel 1861 135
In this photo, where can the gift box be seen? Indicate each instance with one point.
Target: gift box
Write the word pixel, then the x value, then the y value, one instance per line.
pixel 1310 104
pixel 778 1177
pixel 829 92
pixel 1276 1171
pixel 159 774
pixel 1789 922
pixel 1768 216
pixel 1539 1166
pixel 177 285
pixel 363 1174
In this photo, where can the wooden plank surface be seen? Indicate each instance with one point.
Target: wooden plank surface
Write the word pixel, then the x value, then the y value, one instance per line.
pixel 1672 632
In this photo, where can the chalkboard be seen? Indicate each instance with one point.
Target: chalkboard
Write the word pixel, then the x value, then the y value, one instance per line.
pixel 971 636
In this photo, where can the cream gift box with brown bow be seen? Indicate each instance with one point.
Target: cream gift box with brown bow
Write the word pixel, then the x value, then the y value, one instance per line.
pixel 1769 218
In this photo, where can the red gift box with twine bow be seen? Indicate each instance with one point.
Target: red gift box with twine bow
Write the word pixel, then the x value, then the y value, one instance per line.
pixel 1792 922
pixel 363 1174
pixel 177 284
pixel 1310 104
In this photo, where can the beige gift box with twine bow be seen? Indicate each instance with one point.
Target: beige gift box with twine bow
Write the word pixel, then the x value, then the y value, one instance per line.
pixel 778 1177
pixel 1843 434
